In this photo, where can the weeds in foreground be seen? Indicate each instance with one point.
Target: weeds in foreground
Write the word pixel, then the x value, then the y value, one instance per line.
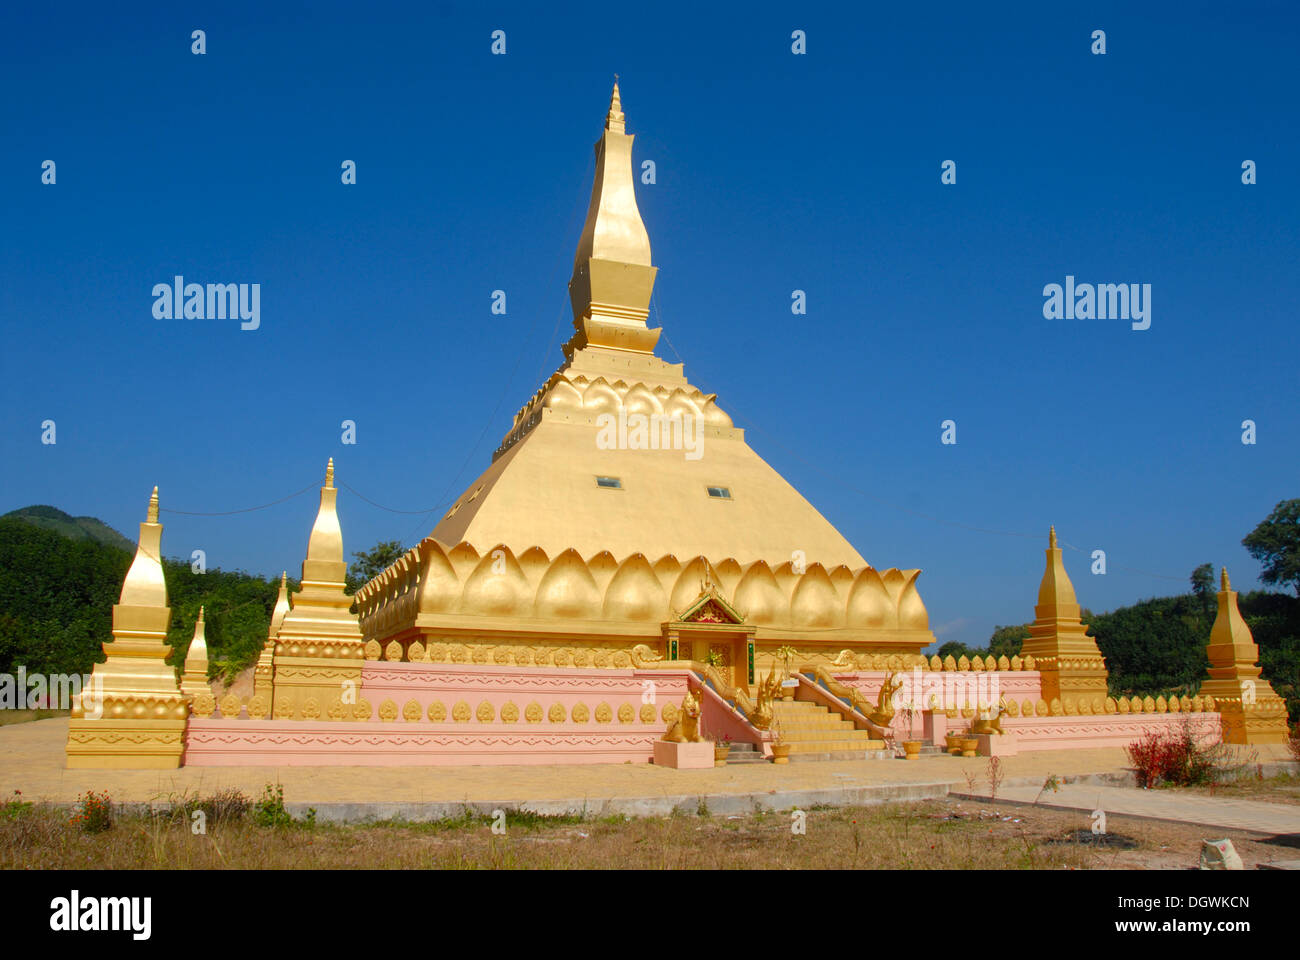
pixel 270 811
pixel 94 813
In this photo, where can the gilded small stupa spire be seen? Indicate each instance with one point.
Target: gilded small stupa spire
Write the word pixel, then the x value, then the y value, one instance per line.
pixel 264 672
pixel 1068 660
pixel 1251 711
pixel 152 515
pixel 194 680
pixel 1056 597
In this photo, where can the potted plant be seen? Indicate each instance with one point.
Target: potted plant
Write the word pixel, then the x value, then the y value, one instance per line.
pixel 780 749
pixel 911 748
pixel 953 740
pixel 714 658
pixel 720 750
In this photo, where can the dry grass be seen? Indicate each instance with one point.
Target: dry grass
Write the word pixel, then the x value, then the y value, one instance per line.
pixel 928 835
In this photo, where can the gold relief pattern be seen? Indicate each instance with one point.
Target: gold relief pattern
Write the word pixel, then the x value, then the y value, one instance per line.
pixel 1122 705
pixel 393 652
pixel 626 714
pixel 562 657
pixel 1069 707
pixel 363 710
pixel 203 705
pixel 580 658
pixel 647 713
pixel 669 712
pixel 458 653
pixel 437 711
pixel 556 713
pixel 501 655
pixel 372 650
pixel 230 706
pixel 1042 709
pixel 523 656
pixel 509 712
pixel 580 713
pixel 622 660
pixel 411 711
pixel 310 709
pixel 485 713
pixel 336 710
pixel 415 652
pixel 480 655
pixel 604 713
pixel 388 710
pixel 258 707
pixel 601 659
pixel 438 653
pixel 460 712
pixel 533 713
pixel 1149 704
pixel 1012 708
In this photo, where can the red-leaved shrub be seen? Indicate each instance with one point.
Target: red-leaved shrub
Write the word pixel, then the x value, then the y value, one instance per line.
pixel 1175 758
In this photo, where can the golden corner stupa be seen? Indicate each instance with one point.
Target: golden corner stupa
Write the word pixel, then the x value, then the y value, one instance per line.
pixel 571 539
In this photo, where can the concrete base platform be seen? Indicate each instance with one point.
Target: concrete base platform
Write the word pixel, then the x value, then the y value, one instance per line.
pixel 32 760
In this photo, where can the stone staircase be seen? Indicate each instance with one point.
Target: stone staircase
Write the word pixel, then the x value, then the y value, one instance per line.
pixel 815 732
pixel 745 753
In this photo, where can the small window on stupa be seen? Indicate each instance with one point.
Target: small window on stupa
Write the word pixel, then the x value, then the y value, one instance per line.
pixel 609 483
pixel 720 493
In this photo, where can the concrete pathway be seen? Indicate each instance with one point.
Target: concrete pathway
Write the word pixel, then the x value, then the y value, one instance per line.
pixel 1228 813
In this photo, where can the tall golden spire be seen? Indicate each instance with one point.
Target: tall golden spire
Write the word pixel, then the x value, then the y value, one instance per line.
pixel 612 274
pixel 1068 660
pixel 318 640
pixel 324 561
pixel 132 714
pixel 144 585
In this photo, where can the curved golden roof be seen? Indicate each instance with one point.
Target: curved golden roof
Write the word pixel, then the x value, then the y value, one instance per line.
pixel 432 578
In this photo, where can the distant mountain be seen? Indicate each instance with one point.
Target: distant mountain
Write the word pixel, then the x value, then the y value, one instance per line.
pixel 75 528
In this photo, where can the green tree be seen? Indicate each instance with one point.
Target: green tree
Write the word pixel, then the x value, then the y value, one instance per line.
pixel 1275 543
pixel 371 563
pixel 1006 641
pixel 1203 586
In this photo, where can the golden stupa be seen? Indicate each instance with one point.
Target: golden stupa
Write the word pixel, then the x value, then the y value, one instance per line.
pixel 620 495
pixel 1252 711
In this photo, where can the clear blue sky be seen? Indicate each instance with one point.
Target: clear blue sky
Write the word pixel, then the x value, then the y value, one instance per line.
pixel 775 172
